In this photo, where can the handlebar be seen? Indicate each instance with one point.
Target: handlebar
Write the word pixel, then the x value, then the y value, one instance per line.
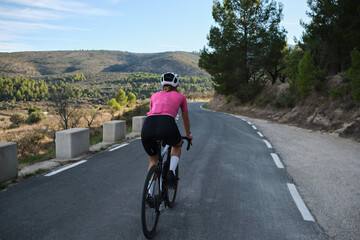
pixel 188 144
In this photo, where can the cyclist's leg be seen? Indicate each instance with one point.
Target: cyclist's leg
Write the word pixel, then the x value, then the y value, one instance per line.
pixel 153 160
pixel 175 156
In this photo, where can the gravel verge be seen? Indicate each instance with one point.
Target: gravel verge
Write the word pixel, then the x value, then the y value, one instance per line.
pixel 326 171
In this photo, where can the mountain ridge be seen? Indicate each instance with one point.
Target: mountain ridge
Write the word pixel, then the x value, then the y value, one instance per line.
pixel 47 63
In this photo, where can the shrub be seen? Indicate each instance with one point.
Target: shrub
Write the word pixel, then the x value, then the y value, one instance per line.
pixel 228 99
pixel 18 118
pixel 35 117
pixel 33 109
pixel 2 119
pixel 13 125
pixel 354 75
pixel 335 93
pixel 139 110
pixel 264 100
pixel 285 100
pixel 30 144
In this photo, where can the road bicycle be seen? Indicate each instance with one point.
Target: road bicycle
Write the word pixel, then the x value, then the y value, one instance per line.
pixel 163 195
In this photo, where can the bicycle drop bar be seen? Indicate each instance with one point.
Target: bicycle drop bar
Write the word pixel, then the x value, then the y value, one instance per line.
pixel 189 143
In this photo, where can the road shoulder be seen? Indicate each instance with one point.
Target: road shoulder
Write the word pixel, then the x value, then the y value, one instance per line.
pixel 326 170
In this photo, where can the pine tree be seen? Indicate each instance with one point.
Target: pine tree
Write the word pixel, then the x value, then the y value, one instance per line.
pixel 240 42
pixel 332 33
pixel 121 98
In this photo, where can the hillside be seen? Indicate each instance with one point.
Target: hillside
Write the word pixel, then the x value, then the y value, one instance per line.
pixel 339 115
pixel 38 64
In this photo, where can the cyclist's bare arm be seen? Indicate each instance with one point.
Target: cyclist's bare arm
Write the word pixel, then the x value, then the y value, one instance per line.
pixel 186 123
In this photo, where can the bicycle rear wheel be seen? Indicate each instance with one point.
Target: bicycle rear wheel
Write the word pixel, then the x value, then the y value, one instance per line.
pixel 170 195
pixel 150 204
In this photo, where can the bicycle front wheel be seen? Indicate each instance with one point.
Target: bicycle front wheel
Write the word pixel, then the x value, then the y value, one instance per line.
pixel 150 202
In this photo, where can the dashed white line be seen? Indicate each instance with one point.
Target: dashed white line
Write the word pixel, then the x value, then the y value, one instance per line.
pixel 267 143
pixel 300 203
pixel 260 134
pixel 249 122
pixel 115 148
pixel 277 160
pixel 254 127
pixel 65 168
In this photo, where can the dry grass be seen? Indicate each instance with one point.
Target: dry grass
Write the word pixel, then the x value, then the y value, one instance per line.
pixel 36 142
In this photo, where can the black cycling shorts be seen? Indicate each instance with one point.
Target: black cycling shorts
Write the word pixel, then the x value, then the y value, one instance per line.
pixel 159 127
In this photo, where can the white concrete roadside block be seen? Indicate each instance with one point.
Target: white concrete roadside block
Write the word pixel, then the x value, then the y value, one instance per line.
pixel 72 143
pixel 8 161
pixel 114 131
pixel 137 123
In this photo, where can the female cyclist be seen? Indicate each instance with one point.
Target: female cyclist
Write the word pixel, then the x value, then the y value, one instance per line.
pixel 160 122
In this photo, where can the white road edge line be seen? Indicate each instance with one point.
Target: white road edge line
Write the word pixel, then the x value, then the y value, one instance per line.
pixel 65 168
pixel 277 161
pixel 300 203
pixel 260 134
pixel 201 106
pixel 267 143
pixel 254 127
pixel 115 148
pixel 249 122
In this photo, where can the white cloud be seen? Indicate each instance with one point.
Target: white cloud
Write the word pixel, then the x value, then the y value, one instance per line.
pixel 28 14
pixel 18 27
pixel 60 5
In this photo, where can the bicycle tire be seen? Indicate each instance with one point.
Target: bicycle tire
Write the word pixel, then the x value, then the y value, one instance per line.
pixel 170 194
pixel 150 210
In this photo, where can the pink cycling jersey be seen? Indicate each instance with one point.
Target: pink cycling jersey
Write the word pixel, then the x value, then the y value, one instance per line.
pixel 167 103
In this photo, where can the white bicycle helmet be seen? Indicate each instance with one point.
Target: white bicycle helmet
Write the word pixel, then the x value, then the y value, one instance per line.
pixel 170 78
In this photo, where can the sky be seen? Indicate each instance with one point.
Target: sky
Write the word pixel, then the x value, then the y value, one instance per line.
pixel 139 26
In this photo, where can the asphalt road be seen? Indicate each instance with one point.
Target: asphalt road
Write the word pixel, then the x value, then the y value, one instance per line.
pixel 230 188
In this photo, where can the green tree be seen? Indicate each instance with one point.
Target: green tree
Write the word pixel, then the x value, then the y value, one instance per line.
pixel 307 76
pixel 291 70
pixel 240 42
pixel 113 106
pixel 121 98
pixel 332 32
pixel 354 75
pixel 131 98
pixel 274 60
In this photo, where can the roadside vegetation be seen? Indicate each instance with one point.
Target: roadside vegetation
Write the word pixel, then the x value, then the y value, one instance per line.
pixel 242 66
pixel 315 83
